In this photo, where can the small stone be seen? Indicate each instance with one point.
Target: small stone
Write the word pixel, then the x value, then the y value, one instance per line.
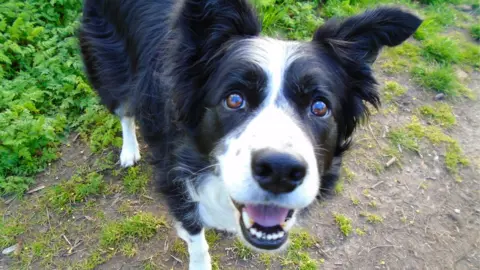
pixel 440 96
pixel 465 8
pixel 9 249
pixel 457 211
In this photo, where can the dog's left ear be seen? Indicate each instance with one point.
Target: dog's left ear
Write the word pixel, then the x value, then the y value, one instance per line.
pixel 360 38
pixel 356 43
pixel 205 27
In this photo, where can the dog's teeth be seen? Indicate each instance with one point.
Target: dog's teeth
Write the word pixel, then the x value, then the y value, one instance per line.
pixel 253 231
pixel 247 221
pixel 281 234
pixel 269 237
pixel 259 235
pixel 274 236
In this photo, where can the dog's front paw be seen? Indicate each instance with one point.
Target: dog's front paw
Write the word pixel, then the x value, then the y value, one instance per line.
pixel 129 156
pixel 202 264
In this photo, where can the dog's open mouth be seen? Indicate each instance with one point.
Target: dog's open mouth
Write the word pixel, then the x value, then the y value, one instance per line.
pixel 265 226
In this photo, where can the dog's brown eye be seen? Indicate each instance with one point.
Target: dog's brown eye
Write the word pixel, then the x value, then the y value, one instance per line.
pixel 319 108
pixel 235 101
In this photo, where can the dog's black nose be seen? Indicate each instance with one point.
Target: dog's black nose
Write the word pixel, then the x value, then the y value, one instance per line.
pixel 278 172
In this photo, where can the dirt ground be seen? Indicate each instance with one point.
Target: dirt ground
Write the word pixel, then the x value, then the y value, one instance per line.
pixel 429 219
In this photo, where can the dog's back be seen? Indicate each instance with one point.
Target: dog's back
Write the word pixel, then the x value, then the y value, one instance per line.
pixel 118 40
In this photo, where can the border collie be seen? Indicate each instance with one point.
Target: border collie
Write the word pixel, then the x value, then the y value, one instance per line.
pixel 245 131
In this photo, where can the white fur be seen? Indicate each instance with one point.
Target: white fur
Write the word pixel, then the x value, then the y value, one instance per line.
pixel 197 249
pixel 215 205
pixel 130 150
pixel 273 127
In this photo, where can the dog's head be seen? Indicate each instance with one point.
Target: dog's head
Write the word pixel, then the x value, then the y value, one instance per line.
pixel 273 114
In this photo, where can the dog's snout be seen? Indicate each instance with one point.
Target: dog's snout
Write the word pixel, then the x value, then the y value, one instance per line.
pixel 278 172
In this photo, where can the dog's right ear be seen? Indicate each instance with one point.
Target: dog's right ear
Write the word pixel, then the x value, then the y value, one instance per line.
pixel 204 27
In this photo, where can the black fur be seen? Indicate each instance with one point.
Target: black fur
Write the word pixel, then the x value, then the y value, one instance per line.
pixel 170 62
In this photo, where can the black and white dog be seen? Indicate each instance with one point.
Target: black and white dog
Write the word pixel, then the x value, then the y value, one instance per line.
pixel 245 131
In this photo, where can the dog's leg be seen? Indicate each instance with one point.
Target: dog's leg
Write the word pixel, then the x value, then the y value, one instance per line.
pixel 197 249
pixel 130 151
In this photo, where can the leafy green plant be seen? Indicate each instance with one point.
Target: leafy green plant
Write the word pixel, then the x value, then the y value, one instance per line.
pixel 292 19
pixel 475 31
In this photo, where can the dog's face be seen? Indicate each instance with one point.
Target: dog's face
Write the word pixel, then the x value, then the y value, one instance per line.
pixel 274 114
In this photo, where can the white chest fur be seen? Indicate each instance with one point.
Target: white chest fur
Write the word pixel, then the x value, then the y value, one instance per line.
pixel 216 208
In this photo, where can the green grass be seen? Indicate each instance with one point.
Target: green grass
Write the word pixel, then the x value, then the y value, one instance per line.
pixel 10 229
pixel 179 248
pixel 439 78
pixel 441 114
pixel 441 50
pixel 344 223
pixel 141 226
pixel 243 252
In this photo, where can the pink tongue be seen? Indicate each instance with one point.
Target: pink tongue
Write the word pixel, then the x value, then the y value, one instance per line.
pixel 266 215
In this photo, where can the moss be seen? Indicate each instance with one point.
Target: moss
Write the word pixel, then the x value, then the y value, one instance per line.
pixel 339 186
pixel 344 223
pixel 372 218
pixel 348 174
pixel 136 180
pixel 409 135
pixel 393 89
pixel 400 58
pixel 297 256
pixel 355 200
pixel 441 114
pixel 454 156
pixel 373 204
pixel 360 232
